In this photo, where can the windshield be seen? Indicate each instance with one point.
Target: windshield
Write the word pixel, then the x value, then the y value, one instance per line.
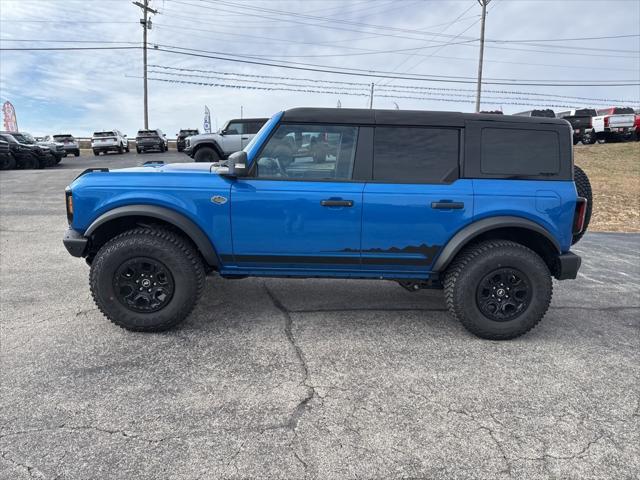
pixel 256 142
pixel 8 138
pixel 24 138
pixel 147 133
pixel 104 134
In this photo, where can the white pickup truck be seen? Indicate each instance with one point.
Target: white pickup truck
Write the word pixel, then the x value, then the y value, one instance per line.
pixel 613 123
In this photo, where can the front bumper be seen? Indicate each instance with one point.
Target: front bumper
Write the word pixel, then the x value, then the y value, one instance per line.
pixel 567 266
pixel 75 242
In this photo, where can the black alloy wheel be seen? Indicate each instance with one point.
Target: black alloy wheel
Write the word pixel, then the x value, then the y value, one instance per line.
pixel 143 285
pixel 503 294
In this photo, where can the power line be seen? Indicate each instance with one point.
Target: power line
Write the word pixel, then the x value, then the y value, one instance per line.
pixel 379 28
pixel 372 73
pixel 335 93
pixel 407 87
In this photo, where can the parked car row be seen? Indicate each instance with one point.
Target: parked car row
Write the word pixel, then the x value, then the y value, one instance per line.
pixel 596 125
pixel 21 150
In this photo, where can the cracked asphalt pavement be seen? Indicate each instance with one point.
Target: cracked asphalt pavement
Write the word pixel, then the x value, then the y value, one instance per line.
pixel 273 378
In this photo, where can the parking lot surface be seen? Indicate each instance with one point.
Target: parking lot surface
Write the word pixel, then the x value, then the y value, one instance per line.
pixel 305 378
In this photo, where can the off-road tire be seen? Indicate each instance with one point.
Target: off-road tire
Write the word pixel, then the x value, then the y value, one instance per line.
pixel 583 187
pixel 474 263
pixel 28 163
pixel 9 163
pixel 206 154
pixel 174 251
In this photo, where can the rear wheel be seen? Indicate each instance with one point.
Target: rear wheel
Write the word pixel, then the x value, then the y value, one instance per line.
pixel 583 187
pixel 206 154
pixel 147 279
pixel 498 289
pixel 96 153
pixel 120 150
pixel 76 153
pixel 138 150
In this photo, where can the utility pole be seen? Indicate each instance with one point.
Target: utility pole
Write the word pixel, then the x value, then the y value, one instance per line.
pixel 146 25
pixel 241 111
pixel 371 97
pixel 484 4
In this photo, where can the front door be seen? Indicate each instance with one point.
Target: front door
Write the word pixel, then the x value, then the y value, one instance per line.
pixel 299 208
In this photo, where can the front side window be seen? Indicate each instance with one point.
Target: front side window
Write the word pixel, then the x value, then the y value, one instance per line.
pixel 235 128
pixel 309 152
pixel 415 154
pixel 511 151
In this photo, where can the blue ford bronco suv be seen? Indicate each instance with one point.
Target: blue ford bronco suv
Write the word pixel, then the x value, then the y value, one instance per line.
pixel 482 206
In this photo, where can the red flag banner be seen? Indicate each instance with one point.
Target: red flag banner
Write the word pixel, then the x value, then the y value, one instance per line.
pixel 10 120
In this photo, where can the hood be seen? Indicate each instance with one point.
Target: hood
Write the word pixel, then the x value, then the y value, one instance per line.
pixel 196 167
pixel 203 136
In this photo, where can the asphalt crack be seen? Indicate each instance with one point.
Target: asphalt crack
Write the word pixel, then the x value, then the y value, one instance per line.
pixel 31 470
pixel 304 404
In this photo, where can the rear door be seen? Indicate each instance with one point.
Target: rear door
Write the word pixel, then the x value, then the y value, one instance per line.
pixel 416 200
pixel 300 207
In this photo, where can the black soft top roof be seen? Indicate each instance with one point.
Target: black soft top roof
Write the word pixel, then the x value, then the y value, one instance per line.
pixel 403 117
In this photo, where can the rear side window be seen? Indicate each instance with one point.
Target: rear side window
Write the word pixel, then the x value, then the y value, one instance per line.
pixel 252 127
pixel 510 151
pixel 415 154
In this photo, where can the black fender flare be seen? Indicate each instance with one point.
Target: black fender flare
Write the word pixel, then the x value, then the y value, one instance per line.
pixel 468 233
pixel 211 144
pixel 193 231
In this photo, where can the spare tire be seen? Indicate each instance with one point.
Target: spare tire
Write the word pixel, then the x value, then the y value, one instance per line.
pixel 583 186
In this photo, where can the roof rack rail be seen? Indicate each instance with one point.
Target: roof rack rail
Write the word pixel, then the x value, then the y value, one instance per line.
pixel 93 169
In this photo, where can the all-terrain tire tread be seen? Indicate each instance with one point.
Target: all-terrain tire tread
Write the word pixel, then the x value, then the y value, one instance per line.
pixel 457 268
pixel 583 186
pixel 160 234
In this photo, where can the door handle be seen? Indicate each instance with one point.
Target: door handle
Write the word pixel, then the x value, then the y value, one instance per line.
pixel 447 205
pixel 336 203
pixel 244 138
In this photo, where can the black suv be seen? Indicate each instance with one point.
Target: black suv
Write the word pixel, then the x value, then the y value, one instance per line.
pixel 182 136
pixel 7 160
pixel 27 155
pixel 151 140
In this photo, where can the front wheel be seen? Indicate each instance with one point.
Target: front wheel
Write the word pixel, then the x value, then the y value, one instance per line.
pixel 147 279
pixel 76 153
pixel 206 154
pixel 498 289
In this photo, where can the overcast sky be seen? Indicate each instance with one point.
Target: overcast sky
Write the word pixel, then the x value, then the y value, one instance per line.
pixel 82 91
